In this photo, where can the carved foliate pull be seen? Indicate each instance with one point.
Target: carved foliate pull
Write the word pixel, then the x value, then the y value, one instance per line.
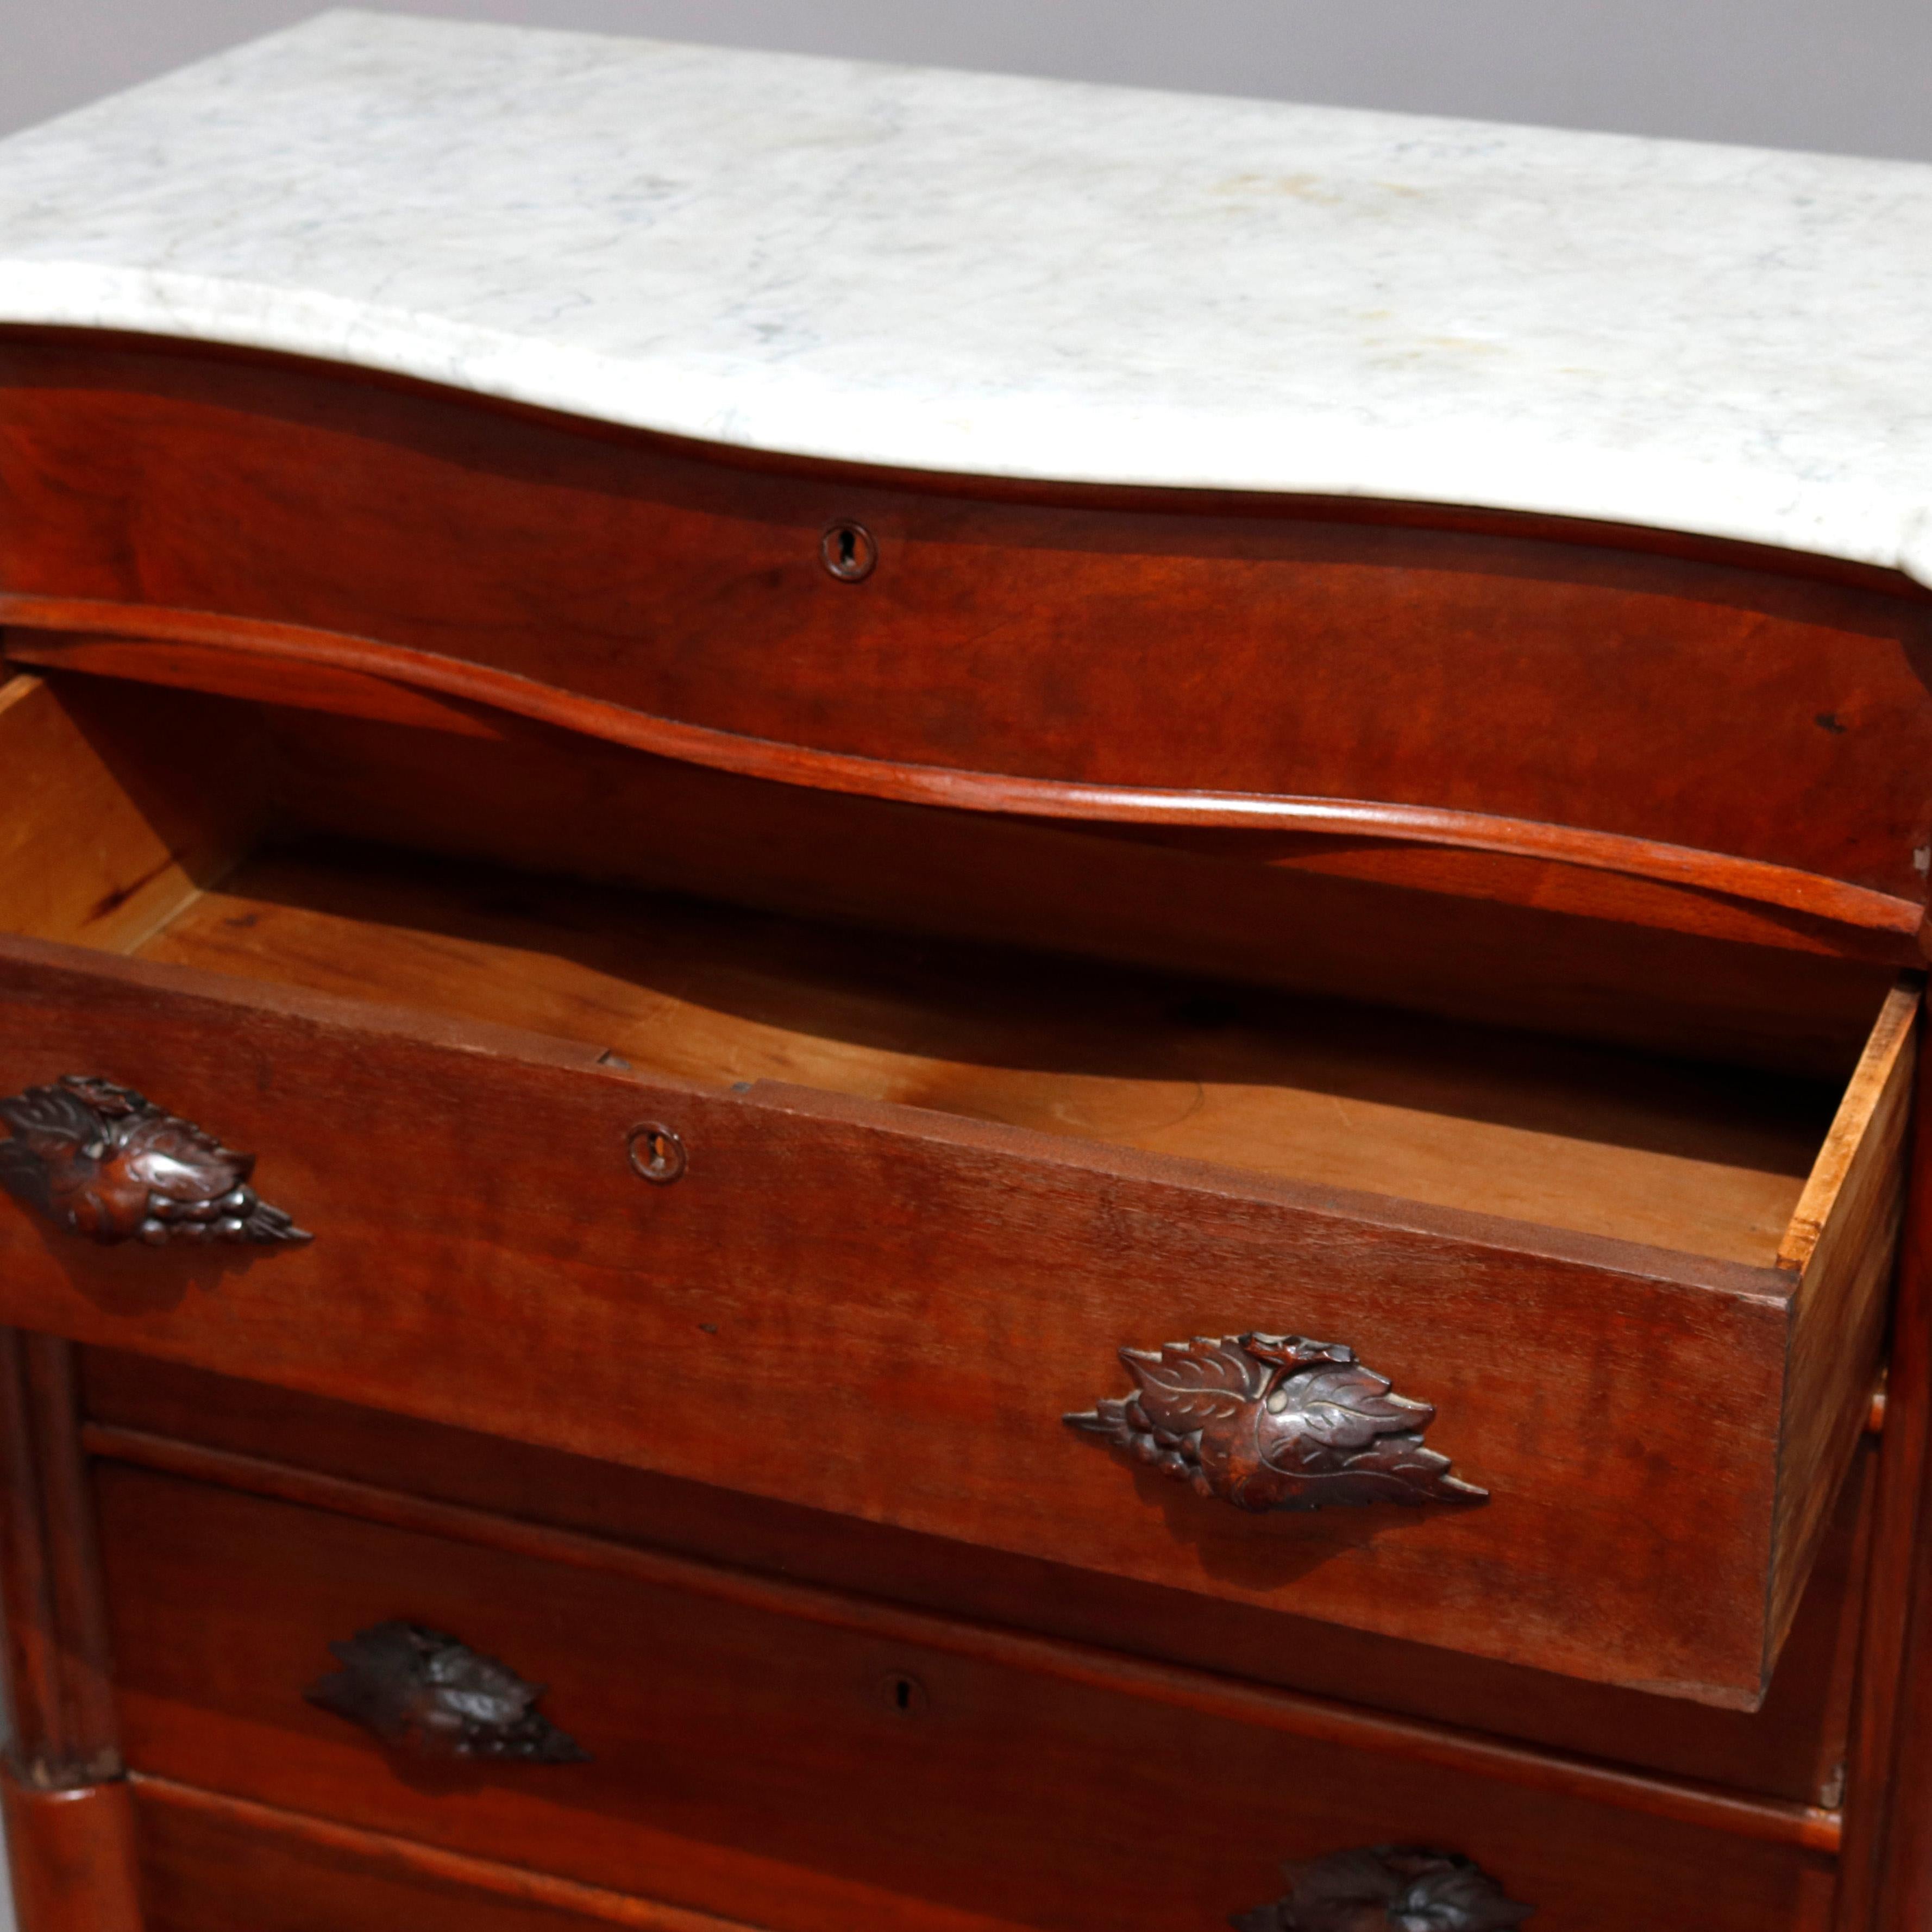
pixel 426 1693
pixel 1405 1886
pixel 105 1161
pixel 1268 1422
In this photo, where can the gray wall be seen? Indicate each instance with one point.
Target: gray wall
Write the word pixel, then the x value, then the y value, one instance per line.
pixel 1851 75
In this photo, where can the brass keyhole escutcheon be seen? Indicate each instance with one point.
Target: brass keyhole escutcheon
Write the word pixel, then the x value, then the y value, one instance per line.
pixel 657 1154
pixel 849 552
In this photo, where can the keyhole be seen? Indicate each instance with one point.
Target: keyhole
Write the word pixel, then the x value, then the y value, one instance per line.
pixel 656 1154
pixel 902 1693
pixel 848 552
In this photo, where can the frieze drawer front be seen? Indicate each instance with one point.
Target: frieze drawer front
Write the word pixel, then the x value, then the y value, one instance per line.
pixel 791 1758
pixel 1381 1321
pixel 1030 648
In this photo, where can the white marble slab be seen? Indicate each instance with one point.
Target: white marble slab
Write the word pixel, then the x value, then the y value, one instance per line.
pixel 1023 278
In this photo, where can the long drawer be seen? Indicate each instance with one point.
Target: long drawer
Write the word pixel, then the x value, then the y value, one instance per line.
pixel 840 1288
pixel 213 1428
pixel 804 1763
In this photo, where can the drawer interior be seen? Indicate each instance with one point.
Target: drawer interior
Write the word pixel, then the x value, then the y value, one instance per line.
pixel 925 1144
pixel 195 860
pixel 1707 1160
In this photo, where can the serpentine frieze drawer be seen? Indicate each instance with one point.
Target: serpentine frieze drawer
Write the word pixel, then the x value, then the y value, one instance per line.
pixel 1190 664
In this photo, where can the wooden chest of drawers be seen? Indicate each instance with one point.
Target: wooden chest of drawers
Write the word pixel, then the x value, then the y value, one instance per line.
pixel 982 1193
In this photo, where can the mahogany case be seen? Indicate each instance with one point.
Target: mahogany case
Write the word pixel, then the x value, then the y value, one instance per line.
pixel 1297 1110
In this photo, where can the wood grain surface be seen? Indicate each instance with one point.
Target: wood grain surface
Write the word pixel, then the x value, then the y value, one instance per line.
pixel 1844 1239
pixel 1122 644
pixel 349 667
pixel 116 812
pixel 1811 1827
pixel 1706 1159
pixel 1595 1142
pixel 1552 869
pixel 1426 930
pixel 855 1799
pixel 1665 795
pixel 215 1863
pixel 1793 1750
pixel 74 1857
pixel 1888 1853
pixel 920 1298
pixel 61 1729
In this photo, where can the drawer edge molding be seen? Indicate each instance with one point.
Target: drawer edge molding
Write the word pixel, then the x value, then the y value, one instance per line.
pixel 1770 1821
pixel 1275 1422
pixel 107 638
pixel 103 1162
pixel 405 1858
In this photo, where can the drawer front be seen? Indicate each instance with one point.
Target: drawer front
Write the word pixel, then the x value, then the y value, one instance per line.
pixel 1176 645
pixel 1794 1749
pixel 889 1313
pixel 814 1770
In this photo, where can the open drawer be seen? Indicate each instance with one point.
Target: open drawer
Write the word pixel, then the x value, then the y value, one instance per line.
pixel 862 1221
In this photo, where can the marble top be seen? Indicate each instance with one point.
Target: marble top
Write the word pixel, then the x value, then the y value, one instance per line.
pixel 1019 278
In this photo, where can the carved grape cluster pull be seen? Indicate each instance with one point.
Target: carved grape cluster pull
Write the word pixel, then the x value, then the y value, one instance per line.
pixel 1268 1422
pixel 104 1162
pixel 1403 1886
pixel 426 1693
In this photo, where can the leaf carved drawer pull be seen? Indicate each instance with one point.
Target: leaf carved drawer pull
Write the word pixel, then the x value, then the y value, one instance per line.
pixel 104 1162
pixel 428 1693
pixel 1269 1422
pixel 1404 1886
